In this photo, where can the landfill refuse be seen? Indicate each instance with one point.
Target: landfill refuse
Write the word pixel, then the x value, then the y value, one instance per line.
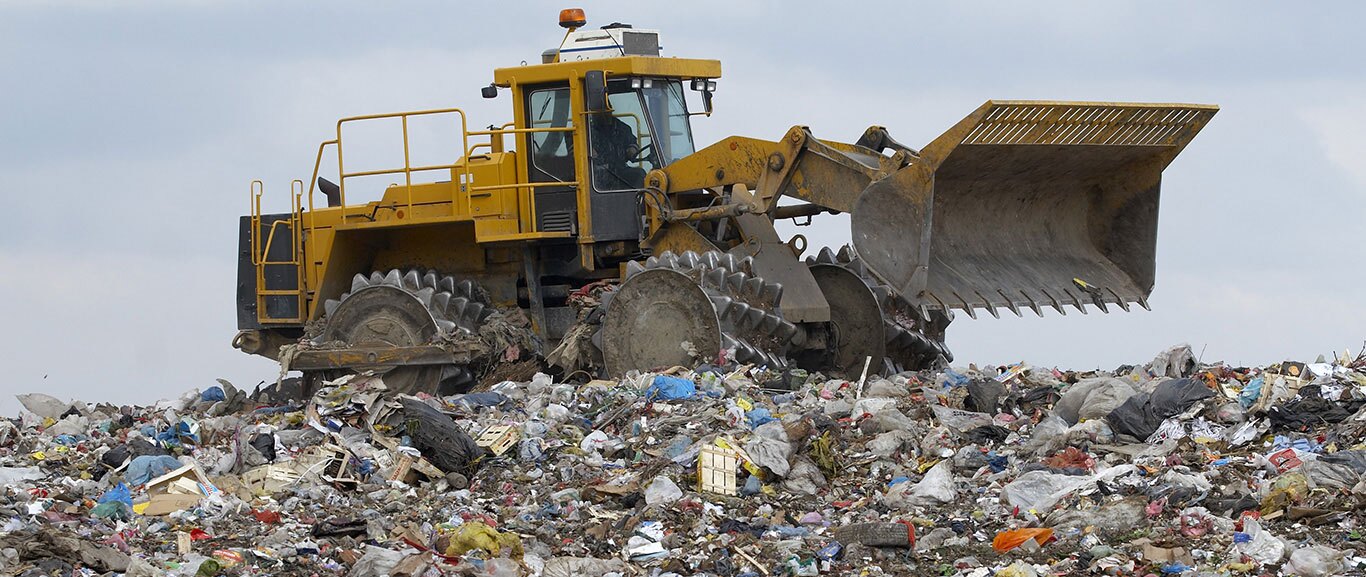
pixel 724 469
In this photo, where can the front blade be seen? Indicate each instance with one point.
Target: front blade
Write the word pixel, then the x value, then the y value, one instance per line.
pixel 1028 205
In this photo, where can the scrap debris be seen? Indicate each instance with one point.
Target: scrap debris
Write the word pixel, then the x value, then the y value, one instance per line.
pixel 1172 467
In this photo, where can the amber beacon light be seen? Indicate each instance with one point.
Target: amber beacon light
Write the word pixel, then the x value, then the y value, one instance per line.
pixel 572 18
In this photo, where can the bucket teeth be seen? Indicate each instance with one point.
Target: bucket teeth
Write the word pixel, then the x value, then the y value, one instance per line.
pixel 987 304
pixel 359 281
pixel 1119 300
pixel 393 279
pixel 1009 303
pixel 412 281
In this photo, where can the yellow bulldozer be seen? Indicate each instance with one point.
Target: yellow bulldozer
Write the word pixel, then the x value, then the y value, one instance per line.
pixel 596 189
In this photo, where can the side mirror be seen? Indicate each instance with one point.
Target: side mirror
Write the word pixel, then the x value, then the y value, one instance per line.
pixel 489 91
pixel 595 91
pixel 706 87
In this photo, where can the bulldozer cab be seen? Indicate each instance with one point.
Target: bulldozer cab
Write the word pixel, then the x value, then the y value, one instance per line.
pixel 641 124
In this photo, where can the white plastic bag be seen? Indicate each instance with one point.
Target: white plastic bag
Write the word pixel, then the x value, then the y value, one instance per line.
pixel 936 488
pixel 1315 561
pixel 1264 548
pixel 662 490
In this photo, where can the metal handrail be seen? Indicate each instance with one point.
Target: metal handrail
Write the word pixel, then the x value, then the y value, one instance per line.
pixel 407 169
pixel 462 164
pixel 260 255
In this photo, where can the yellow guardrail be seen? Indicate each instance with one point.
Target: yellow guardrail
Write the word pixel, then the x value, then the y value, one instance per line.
pixel 295 224
pixel 260 255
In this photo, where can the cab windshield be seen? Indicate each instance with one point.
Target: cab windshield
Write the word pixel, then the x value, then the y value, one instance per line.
pixel 647 128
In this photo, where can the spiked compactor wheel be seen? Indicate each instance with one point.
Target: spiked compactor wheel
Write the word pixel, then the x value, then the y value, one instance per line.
pixel 398 309
pixel 673 308
pixel 912 341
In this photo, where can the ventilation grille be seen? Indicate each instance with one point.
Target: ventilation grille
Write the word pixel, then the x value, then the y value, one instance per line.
pixel 560 221
pixel 1089 124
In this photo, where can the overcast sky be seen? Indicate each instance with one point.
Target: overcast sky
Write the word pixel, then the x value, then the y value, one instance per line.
pixel 129 132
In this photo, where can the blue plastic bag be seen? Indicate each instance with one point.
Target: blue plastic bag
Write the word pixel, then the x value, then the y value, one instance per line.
pixel 148 467
pixel 954 379
pixel 1253 391
pixel 213 394
pixel 118 493
pixel 759 416
pixel 666 388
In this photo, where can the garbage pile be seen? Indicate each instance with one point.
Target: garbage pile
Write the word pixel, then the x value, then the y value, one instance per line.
pixel 1172 467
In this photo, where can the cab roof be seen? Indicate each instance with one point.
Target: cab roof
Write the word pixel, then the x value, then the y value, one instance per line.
pixel 658 66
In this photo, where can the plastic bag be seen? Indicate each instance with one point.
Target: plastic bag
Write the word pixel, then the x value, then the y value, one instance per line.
pixel 1175 362
pixel 1315 561
pixel 11 476
pixel 147 467
pixel 1142 414
pixel 1261 546
pixel 1007 540
pixel 1047 436
pixel 376 561
pixel 1251 392
pixel 885 444
pixel 936 488
pixel 770 449
pixel 1092 399
pixel 662 490
pixel 960 420
pixel 1040 490
pixel 478 535
pixel 441 441
pixel 582 567
pixel 43 405
pixel 666 388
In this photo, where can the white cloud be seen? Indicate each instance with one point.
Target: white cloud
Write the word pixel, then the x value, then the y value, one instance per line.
pixel 1341 129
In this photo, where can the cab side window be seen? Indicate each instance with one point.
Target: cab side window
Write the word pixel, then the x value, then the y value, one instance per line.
pixel 552 153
